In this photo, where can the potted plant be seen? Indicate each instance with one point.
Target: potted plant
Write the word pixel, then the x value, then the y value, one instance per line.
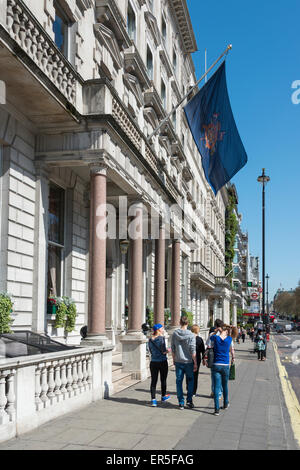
pixel 61 311
pixel 6 305
pixel 71 314
pixel 66 313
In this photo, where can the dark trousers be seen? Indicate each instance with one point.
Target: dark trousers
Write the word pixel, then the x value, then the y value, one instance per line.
pixel 260 355
pixel 196 375
pixel 243 338
pixel 155 369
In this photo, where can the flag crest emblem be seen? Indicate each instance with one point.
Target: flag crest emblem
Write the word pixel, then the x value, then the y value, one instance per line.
pixel 213 127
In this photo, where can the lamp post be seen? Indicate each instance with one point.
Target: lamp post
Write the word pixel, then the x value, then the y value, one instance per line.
pixel 263 179
pixel 268 316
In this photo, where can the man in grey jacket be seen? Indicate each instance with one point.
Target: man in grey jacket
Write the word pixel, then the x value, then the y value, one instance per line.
pixel 184 357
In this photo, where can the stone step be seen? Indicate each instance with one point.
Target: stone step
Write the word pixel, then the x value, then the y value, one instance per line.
pixel 120 386
pixel 119 376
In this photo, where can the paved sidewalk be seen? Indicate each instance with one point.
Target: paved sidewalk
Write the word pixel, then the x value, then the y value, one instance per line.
pixel 256 419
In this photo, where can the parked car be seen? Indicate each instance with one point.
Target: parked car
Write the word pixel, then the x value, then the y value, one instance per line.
pixel 279 328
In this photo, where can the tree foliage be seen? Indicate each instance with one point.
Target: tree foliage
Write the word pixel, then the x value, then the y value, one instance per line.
pixel 288 303
pixel 231 224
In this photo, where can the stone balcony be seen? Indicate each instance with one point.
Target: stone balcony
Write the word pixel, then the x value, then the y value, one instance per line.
pixel 201 274
pixel 223 281
pixel 30 60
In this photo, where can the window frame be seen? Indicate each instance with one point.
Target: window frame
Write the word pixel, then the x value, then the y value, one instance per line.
pixel 67 26
pixel 61 247
pixel 163 100
pixel 148 50
pixel 130 7
pixel 164 30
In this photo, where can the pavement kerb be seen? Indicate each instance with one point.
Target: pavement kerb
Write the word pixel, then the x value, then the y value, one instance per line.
pixel 291 399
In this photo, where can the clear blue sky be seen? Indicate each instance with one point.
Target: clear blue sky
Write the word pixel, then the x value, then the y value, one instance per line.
pixel 263 64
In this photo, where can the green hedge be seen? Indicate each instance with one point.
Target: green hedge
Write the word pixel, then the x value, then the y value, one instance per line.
pixel 6 305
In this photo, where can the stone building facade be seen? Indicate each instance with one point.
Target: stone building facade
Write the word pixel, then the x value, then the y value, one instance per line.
pixel 87 82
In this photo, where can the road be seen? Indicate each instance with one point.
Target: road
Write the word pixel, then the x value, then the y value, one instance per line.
pixel 289 356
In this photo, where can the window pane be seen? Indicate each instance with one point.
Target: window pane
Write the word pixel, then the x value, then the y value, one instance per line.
pixel 163 94
pixel 56 214
pixel 54 271
pixel 131 26
pixel 60 29
pixel 164 29
pixel 149 64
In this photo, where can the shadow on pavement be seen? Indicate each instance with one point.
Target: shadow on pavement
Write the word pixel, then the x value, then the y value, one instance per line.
pixel 132 401
pixel 171 393
pixel 169 405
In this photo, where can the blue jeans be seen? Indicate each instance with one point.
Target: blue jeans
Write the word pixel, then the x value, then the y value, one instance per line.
pixel 213 387
pixel 188 370
pixel 220 376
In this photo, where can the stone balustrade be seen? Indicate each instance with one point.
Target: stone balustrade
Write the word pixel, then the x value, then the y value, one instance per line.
pixel 7 396
pixel 29 34
pixel 36 389
pixel 198 270
pixel 223 281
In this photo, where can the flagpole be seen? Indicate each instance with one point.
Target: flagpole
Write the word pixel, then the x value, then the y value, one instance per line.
pixel 228 48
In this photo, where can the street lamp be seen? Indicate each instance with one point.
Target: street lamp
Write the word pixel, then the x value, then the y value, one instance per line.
pixel 268 316
pixel 263 179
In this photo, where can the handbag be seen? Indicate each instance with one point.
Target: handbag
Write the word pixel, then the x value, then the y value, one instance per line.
pixel 232 372
pixel 210 357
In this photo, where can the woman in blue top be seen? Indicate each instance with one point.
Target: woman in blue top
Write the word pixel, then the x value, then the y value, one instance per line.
pixel 222 346
pixel 159 363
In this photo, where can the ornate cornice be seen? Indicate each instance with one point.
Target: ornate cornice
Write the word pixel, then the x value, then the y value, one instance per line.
pixel 107 12
pixel 181 13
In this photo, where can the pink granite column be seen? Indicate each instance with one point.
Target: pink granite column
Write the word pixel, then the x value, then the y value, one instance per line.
pixel 159 282
pixel 175 285
pixel 97 254
pixel 136 274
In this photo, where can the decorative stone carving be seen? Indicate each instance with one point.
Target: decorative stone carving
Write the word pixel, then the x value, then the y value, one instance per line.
pixel 152 25
pixel 108 39
pixel 27 32
pixel 133 84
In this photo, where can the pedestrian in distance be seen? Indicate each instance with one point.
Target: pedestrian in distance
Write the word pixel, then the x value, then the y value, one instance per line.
pixel 222 346
pixel 200 350
pixel 216 330
pixel 243 333
pixel 238 336
pixel 183 347
pixel 261 346
pixel 158 363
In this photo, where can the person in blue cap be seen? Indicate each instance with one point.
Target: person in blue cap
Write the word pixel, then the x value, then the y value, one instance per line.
pixel 158 364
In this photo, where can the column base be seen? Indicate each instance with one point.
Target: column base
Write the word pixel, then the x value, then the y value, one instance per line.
pixel 134 354
pixel 95 340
